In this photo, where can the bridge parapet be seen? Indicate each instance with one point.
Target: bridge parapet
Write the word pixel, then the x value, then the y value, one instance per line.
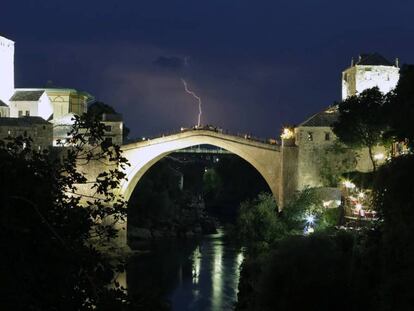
pixel 245 140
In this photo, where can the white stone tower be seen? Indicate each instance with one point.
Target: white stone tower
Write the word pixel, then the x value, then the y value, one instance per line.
pixel 6 69
pixel 369 71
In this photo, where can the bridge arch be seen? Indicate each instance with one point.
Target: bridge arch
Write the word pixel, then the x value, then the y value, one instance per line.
pixel 142 155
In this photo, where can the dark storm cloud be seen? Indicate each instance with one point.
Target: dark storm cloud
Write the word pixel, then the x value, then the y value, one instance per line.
pixel 171 62
pixel 256 64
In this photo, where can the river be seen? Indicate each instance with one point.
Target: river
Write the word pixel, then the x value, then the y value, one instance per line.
pixel 199 274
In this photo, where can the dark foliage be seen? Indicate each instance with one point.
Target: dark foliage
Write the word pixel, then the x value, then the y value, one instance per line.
pixel 228 183
pixel 361 121
pixel 50 259
pixel 394 196
pixel 400 108
pixel 320 272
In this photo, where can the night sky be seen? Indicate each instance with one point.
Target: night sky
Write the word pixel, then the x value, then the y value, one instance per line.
pixel 257 65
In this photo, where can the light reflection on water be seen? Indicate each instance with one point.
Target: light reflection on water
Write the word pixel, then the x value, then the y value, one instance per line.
pixel 215 277
pixel 206 274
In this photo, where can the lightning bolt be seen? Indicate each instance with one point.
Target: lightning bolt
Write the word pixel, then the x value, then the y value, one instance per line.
pixel 196 97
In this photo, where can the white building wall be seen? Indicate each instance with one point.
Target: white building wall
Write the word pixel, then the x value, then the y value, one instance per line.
pixel 384 77
pixel 41 108
pixel 23 106
pixel 45 107
pixel 6 69
pixel 361 77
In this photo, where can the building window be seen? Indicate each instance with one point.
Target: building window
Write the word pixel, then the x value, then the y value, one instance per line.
pixel 310 136
pixel 25 133
pixel 27 113
pixel 108 140
pixel 108 128
pixel 20 113
pixel 327 136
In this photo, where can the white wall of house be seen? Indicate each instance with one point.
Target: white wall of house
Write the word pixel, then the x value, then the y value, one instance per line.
pixel 41 108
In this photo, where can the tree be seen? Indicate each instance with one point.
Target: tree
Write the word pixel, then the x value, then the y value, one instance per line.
pixel 361 121
pixel 336 160
pixel 394 199
pixel 51 257
pixel 400 107
pixel 258 223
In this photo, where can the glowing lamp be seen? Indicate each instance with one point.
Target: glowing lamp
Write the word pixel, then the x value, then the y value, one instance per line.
pixel 287 133
pixel 379 156
pixel 310 219
pixel 348 184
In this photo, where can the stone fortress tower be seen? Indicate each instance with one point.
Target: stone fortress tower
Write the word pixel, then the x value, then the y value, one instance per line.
pixel 6 69
pixel 369 71
pixel 314 135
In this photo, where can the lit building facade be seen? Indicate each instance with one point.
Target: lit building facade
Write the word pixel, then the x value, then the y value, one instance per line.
pixel 6 69
pixel 30 103
pixel 58 105
pixel 314 136
pixel 113 128
pixel 371 70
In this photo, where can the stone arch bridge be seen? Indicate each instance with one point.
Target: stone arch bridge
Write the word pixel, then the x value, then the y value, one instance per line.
pixel 275 163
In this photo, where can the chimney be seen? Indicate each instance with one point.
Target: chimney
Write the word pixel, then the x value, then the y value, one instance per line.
pixel 397 62
pixel 352 62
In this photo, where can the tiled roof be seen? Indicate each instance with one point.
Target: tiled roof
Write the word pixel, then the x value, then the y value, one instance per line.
pixel 54 90
pixel 325 118
pixel 3 104
pixel 373 59
pixel 23 121
pixel 26 96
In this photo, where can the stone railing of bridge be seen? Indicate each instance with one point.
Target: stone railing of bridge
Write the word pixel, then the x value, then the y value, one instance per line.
pixel 270 141
pixel 270 144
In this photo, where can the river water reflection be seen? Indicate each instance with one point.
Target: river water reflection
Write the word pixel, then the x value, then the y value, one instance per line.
pixel 192 275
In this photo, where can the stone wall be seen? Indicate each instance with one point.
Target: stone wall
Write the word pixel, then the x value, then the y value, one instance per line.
pixel 288 173
pixel 41 134
pixel 311 142
pixel 311 154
